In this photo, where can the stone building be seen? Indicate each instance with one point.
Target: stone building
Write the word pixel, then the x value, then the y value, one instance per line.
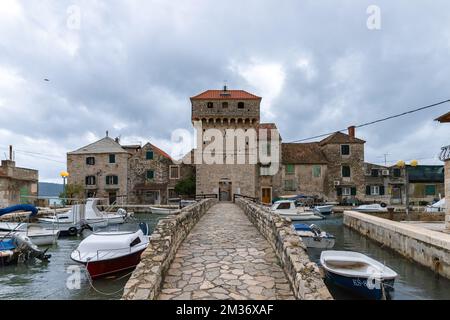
pixel 331 169
pixel 17 184
pixel 101 168
pixel 152 176
pixel 222 110
pixel 445 156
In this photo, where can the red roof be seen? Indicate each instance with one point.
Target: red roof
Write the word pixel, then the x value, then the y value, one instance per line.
pixel 225 95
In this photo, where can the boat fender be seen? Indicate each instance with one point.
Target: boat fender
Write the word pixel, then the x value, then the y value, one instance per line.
pixel 73 231
pixel 383 205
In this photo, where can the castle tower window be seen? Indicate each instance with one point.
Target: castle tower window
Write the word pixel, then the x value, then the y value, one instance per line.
pixel 224 105
pixel 241 105
pixel 210 105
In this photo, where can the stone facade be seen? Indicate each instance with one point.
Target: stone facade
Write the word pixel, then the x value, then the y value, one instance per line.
pixel 303 275
pixel 16 184
pixel 447 195
pixel 94 167
pixel 145 282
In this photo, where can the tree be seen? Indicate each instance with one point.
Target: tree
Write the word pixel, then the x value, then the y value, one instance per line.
pixel 73 191
pixel 186 186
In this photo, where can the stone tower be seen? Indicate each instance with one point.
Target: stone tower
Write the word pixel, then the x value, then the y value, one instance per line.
pixel 218 111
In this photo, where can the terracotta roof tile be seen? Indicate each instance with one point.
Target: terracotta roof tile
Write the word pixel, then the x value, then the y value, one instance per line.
pixel 340 137
pixel 302 153
pixel 225 95
pixel 444 118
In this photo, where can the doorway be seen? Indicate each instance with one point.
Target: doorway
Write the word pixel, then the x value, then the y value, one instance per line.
pixel 112 197
pixel 151 197
pixel 225 190
pixel 266 195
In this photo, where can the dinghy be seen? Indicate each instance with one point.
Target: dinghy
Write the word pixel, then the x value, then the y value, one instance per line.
pixel 371 208
pixel 325 209
pixel 16 247
pixel 161 210
pixel 287 209
pixel 313 237
pixel 358 273
pixel 108 252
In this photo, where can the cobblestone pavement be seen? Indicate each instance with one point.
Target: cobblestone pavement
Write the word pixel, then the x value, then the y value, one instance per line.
pixel 225 257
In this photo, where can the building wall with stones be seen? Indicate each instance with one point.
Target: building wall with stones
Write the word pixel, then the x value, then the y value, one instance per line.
pixel 305 180
pixel 447 194
pixel 334 171
pixel 78 170
pixel 16 184
pixel 145 188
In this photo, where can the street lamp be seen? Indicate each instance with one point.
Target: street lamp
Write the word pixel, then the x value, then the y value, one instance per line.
pixel 402 164
pixel 64 175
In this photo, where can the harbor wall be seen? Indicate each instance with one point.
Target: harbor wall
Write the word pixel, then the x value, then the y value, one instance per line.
pixel 145 282
pixel 304 276
pixel 427 247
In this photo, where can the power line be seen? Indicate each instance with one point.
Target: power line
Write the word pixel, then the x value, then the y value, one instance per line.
pixel 376 121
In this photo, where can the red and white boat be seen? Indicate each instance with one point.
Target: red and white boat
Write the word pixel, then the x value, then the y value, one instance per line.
pixel 107 252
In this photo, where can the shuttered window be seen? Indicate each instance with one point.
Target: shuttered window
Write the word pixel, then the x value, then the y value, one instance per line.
pixel 90 161
pixel 150 174
pixel 290 169
pixel 90 180
pixel 317 171
pixel 149 155
pixel 345 149
pixel 430 190
pixel 112 180
pixel 112 158
pixel 346 172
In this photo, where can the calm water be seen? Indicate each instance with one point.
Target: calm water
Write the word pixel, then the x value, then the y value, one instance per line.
pixel 414 281
pixel 48 281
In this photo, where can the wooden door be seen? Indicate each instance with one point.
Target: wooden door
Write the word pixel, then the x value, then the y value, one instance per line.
pixel 266 195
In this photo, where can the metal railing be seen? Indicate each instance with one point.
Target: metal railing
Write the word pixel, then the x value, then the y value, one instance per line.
pixel 206 196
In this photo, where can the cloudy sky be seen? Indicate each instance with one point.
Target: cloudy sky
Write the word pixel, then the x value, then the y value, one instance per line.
pixel 130 67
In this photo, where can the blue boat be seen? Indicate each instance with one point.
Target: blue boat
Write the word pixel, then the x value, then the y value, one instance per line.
pixel 313 237
pixel 358 273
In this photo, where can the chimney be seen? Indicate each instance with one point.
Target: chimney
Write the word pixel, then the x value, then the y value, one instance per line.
pixel 225 88
pixel 11 152
pixel 117 139
pixel 351 131
pixel 107 133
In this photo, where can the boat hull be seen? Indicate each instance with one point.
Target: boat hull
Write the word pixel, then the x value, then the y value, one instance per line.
pixel 325 210
pixel 103 268
pixel 301 217
pixel 318 242
pixel 358 285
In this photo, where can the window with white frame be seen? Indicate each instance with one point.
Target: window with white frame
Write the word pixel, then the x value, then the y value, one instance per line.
pixel 346 191
pixel 375 190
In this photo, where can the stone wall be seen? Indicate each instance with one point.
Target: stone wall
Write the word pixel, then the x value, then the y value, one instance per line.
pixel 427 247
pixel 145 282
pixel 303 275
pixel 447 195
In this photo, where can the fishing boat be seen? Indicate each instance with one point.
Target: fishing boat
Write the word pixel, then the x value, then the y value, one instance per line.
pixel 313 237
pixel 358 273
pixel 108 252
pixel 371 208
pixel 163 210
pixel 37 233
pixel 288 209
pixel 69 223
pixel 325 209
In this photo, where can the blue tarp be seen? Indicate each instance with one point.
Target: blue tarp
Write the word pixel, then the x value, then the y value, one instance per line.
pixel 7 245
pixel 20 207
pixel 302 227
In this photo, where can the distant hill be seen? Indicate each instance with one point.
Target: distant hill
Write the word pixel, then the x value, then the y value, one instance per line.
pixel 47 189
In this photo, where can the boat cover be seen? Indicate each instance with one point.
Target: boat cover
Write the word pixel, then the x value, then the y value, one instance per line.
pixel 7 244
pixel 302 227
pixel 20 207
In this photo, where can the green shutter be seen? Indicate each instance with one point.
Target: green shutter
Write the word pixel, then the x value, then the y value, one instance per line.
pixel 116 180
pixel 149 155
pixel 353 191
pixel 368 190
pixel 381 190
pixel 150 174
pixel 289 169
pixel 430 190
pixel 339 191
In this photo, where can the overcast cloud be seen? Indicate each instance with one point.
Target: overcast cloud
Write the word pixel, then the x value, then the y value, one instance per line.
pixel 131 67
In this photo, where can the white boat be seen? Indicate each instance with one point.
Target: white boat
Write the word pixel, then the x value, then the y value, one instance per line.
pixel 161 210
pixel 107 252
pixel 358 273
pixel 70 222
pixel 375 207
pixel 324 209
pixel 287 209
pixel 313 237
pixel 436 207
pixel 38 235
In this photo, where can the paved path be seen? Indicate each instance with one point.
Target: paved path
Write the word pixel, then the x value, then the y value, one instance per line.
pixel 225 257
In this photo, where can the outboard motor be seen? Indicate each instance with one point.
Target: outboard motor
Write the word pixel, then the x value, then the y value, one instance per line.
pixel 24 244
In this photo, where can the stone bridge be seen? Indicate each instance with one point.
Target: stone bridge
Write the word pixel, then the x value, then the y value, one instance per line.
pixel 225 251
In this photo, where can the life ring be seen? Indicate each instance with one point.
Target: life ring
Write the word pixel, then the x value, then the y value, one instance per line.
pixel 72 231
pixel 383 205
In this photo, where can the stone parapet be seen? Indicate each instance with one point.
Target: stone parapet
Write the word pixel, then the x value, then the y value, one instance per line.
pixel 304 276
pixel 427 247
pixel 145 282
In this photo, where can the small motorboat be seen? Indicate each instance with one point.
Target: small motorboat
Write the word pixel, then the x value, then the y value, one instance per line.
pixel 288 209
pixel 313 237
pixel 436 207
pixel 358 273
pixel 325 209
pixel 164 210
pixel 16 247
pixel 374 208
pixel 108 252
pixel 38 235
pixel 69 223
